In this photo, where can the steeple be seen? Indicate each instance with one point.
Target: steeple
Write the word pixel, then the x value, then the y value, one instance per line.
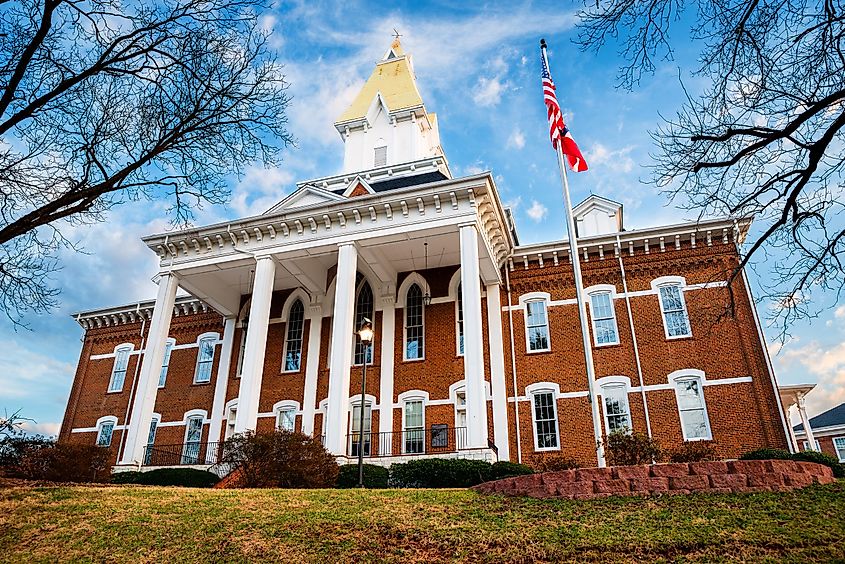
pixel 387 123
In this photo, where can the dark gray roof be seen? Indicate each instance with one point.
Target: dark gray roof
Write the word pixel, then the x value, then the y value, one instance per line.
pixel 403 182
pixel 831 417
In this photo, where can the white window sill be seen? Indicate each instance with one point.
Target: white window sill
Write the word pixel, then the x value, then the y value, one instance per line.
pixel 547 449
pixel 538 351
pixel 697 439
pixel 676 337
pixel 113 391
pixel 413 359
pixel 599 345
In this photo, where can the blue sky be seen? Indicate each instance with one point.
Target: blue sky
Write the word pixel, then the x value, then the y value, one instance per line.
pixel 477 67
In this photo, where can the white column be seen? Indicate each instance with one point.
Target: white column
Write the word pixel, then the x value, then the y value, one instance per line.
pixel 385 390
pixel 252 367
pixel 497 371
pixel 473 339
pixel 793 441
pixel 220 386
pixel 802 411
pixel 312 366
pixel 145 394
pixel 337 413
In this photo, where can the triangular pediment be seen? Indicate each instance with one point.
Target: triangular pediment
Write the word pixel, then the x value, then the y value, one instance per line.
pixel 358 187
pixel 597 216
pixel 306 196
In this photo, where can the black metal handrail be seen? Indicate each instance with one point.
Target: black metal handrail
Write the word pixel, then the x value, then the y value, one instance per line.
pixel 437 439
pixel 183 454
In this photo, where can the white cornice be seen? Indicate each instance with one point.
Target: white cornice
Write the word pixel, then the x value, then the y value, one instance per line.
pixel 135 312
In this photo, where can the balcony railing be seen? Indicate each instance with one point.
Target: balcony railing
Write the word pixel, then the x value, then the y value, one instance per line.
pixel 183 454
pixel 438 439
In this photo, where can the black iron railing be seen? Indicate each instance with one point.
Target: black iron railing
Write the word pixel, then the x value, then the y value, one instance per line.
pixel 437 439
pixel 183 454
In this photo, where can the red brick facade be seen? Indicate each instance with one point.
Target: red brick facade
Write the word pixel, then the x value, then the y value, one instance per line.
pixel 743 414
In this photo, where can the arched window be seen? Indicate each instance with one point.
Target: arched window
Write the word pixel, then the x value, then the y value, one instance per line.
pixel 459 317
pixel 363 308
pixel 414 328
pixel 293 340
pixel 121 363
pixel 165 364
pixel 205 358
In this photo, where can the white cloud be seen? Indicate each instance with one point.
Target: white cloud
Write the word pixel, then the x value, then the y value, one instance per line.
pixel 260 189
pixel 50 429
pixel 619 160
pixel 513 203
pixel 813 361
pixel 25 374
pixel 840 312
pixel 488 91
pixel 516 139
pixel 537 212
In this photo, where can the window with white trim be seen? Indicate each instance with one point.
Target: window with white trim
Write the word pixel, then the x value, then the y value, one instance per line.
pixel 414 427
pixel 293 338
pixel 165 364
pixel 205 359
pixel 380 156
pixel 806 446
pixel 536 325
pixel 603 317
pixel 193 439
pixel 674 309
pixel 414 324
pixel 617 413
pixel 105 431
pixel 355 434
pixel 231 416
pixel 286 419
pixel 363 308
pixel 241 350
pixel 691 408
pixel 461 408
pixel 151 439
pixel 459 319
pixel 121 362
pixel 839 446
pixel 545 420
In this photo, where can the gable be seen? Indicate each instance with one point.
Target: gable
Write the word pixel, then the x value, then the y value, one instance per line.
pixel 304 197
pixel 358 187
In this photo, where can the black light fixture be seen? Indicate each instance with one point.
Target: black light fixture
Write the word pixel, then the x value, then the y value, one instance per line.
pixel 365 333
pixel 426 294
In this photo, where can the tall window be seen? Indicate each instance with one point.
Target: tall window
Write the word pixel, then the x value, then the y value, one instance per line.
pixel 205 359
pixel 459 316
pixel 536 325
pixel 692 410
pixel 675 318
pixel 231 415
pixel 460 417
pixel 286 419
pixel 604 319
pixel 363 308
pixel 414 330
pixel 380 156
pixel 545 420
pixel 193 438
pixel 241 350
pixel 839 445
pixel 104 433
pixel 617 414
pixel 165 364
pixel 293 341
pixel 414 442
pixel 151 439
pixel 354 436
pixel 118 373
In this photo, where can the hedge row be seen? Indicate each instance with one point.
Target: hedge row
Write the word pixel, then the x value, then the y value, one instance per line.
pixel 430 473
pixel 805 456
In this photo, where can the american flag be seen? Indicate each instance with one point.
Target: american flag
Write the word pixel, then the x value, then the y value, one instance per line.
pixel 558 132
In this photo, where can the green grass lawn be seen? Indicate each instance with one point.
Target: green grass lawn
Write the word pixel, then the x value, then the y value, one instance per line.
pixel 141 524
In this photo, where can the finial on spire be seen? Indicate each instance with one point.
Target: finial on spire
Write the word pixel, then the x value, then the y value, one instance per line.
pixel 396 36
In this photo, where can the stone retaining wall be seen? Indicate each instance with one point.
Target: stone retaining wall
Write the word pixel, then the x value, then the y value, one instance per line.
pixel 721 477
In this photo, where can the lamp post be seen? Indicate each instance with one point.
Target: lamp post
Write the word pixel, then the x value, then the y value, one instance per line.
pixel 365 333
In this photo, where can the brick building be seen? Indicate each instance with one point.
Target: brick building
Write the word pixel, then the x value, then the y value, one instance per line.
pixel 477 349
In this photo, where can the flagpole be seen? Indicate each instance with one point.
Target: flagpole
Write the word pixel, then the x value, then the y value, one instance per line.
pixel 579 296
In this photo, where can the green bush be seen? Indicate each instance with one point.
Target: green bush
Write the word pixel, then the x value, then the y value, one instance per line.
pixel 440 473
pixel 13 449
pixel 375 477
pixel 694 451
pixel 280 459
pixel 549 462
pixel 505 469
pixel 630 449
pixel 185 477
pixel 821 458
pixel 767 454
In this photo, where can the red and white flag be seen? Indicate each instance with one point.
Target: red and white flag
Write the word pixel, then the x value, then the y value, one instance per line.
pixel 558 132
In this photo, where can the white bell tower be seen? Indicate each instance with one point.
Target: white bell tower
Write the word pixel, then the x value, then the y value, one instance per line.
pixel 387 123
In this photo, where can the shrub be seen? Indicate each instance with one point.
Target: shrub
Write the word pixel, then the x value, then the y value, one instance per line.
pixel 14 447
pixel 65 462
pixel 374 476
pixel 767 454
pixel 280 459
pixel 629 449
pixel 553 463
pixel 185 477
pixel 505 469
pixel 821 458
pixel 440 473
pixel 695 451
